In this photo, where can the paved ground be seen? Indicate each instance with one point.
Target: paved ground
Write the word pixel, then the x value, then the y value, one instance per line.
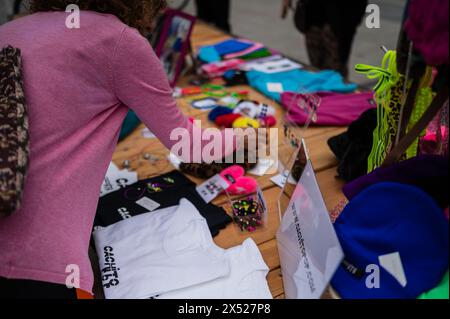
pixel 260 20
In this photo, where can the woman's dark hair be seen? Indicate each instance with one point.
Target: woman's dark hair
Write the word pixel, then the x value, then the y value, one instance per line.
pixel 139 14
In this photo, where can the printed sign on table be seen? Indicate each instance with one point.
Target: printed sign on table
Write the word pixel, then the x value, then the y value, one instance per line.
pixel 309 249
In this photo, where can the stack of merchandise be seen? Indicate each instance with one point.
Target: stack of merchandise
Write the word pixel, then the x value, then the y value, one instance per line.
pixel 169 254
pixel 160 192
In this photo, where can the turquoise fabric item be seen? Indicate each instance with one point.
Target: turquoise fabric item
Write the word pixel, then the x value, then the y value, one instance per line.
pixel 299 81
pixel 209 54
pixel 130 123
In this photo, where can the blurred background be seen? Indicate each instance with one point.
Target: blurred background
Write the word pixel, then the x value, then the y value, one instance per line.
pixel 260 20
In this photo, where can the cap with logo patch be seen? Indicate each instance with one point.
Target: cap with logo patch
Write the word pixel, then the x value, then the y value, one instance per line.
pixel 396 244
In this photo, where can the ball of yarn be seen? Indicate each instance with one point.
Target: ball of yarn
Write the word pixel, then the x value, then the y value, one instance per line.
pixel 218 111
pixel 227 120
pixel 269 121
pixel 245 122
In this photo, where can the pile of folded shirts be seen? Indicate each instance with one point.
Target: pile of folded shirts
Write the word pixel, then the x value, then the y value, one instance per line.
pixel 233 49
pixel 229 55
pixel 157 193
pixel 169 253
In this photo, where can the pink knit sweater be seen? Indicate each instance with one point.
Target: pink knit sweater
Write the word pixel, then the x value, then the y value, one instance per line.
pixel 79 84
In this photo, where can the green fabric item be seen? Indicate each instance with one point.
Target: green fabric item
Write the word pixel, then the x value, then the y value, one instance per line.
pixel 440 292
pixel 262 53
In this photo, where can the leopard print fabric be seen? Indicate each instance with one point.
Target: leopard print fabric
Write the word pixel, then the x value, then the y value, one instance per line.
pixel 14 137
pixel 205 171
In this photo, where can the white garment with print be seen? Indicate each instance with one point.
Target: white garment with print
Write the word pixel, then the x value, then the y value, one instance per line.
pixel 247 279
pixel 159 252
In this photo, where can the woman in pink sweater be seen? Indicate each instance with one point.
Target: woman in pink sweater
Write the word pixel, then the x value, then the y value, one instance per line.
pixel 79 84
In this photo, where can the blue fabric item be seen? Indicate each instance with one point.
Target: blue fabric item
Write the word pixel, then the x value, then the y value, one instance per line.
pixel 231 46
pixel 387 218
pixel 299 81
pixel 218 111
pixel 130 123
pixel 209 54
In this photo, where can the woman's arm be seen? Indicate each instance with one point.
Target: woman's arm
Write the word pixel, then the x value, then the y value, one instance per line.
pixel 141 84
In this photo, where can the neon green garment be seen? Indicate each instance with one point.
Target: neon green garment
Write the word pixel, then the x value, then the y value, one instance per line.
pixel 440 292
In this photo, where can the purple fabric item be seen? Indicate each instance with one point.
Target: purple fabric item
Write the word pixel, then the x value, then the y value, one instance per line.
pixel 335 109
pixel 428 27
pixel 428 172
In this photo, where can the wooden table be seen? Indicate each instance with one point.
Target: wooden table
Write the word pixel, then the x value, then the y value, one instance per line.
pixel 316 138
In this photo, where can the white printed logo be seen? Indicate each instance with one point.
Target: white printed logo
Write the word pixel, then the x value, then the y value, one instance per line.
pixel 73 278
pixel 73 20
pixel 373 18
pixel 373 277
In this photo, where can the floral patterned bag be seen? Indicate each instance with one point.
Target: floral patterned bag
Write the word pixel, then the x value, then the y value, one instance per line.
pixel 14 137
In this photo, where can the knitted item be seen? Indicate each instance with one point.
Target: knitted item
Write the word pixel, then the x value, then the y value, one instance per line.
pixel 245 122
pixel 218 111
pixel 205 171
pixel 239 184
pixel 269 121
pixel 227 120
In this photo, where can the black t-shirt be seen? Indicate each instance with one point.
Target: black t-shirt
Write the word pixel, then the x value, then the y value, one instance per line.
pixel 156 193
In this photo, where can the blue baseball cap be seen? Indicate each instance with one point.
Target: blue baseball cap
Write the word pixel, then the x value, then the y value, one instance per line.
pixel 396 244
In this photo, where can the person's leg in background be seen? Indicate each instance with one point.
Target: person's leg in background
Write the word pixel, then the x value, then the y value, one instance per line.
pixel 204 10
pixel 315 46
pixel 222 14
pixel 216 12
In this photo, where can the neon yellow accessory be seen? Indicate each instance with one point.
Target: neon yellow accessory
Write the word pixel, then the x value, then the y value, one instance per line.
pixel 388 77
pixel 424 99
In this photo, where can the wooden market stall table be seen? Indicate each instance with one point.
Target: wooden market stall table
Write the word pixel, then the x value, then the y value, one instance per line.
pixel 323 160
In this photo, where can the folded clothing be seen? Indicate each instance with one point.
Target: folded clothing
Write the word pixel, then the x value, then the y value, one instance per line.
pixel 157 193
pixel 232 46
pixel 159 252
pixel 427 172
pixel 255 47
pixel 398 228
pixel 298 81
pixel 247 278
pixel 209 54
pixel 218 69
pixel 333 109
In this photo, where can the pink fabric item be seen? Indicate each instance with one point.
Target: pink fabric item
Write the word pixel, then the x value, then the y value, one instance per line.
pixel 446 213
pixel 268 121
pixel 79 84
pixel 335 109
pixel 428 27
pixel 255 47
pixel 217 69
pixel 239 184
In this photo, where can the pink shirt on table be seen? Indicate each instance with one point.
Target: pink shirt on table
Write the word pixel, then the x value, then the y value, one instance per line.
pixel 79 84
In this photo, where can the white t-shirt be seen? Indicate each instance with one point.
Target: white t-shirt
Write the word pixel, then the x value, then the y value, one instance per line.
pixel 158 252
pixel 247 279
